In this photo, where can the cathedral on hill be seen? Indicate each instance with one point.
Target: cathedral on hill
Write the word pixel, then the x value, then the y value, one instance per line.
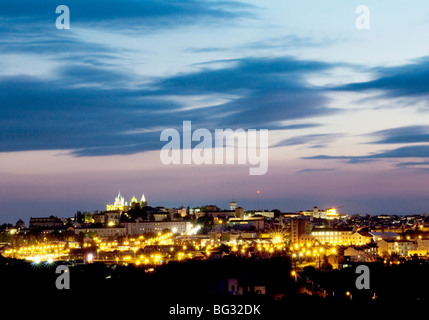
pixel 121 205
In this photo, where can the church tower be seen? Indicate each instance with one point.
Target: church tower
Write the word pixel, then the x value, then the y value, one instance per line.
pixel 143 202
pixel 119 205
pixel 134 203
pixel 119 200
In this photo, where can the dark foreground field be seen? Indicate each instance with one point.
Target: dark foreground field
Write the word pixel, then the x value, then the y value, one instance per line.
pixel 97 289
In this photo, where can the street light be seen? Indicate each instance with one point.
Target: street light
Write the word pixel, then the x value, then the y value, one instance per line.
pixel 89 257
pixel 348 294
pixel 293 273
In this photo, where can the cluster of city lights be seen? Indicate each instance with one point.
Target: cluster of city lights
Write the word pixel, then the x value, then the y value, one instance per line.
pixel 308 250
pixel 167 247
pixel 44 252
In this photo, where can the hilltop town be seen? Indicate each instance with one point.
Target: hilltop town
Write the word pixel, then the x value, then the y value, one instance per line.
pixel 125 232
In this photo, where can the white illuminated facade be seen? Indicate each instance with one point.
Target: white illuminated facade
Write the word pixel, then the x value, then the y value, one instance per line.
pixel 138 228
pixel 341 237
pixel 119 205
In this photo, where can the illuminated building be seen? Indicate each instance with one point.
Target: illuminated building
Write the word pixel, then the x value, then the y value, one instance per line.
pixel 298 228
pixel 122 206
pixel 119 205
pixel 266 214
pixel 378 236
pixel 232 205
pixel 365 254
pixel 211 207
pixel 344 236
pixel 361 238
pixel 315 213
pixel 329 214
pixel 256 223
pixel 161 215
pixel 138 228
pixel 219 214
pixel 182 212
pixel 46 222
pixel 20 224
pixel 332 214
pixel 400 247
pixel 419 253
pixel 239 213
pixel 104 232
pixel 112 218
pixel 423 244
pixel 100 218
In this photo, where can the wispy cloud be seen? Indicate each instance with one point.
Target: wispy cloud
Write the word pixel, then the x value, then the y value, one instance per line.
pixel 274 43
pixel 409 80
pixel 408 134
pixel 312 140
pixel 419 151
pixel 317 170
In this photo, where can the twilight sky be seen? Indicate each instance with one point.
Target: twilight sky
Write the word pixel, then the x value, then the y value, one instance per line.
pixel 82 109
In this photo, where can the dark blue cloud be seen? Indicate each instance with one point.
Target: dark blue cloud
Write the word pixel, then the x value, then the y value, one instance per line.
pixel 286 73
pixel 127 13
pixel 408 80
pixel 408 134
pixel 409 164
pixel 420 166
pixel 41 115
pixel 91 106
pixel 28 26
pixel 93 110
pixel 419 151
pixel 268 90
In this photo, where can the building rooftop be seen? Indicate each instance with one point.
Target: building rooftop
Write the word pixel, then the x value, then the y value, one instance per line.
pixel 317 229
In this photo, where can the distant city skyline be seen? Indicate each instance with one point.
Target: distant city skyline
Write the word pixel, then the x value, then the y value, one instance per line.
pixel 63 211
pixel 82 109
